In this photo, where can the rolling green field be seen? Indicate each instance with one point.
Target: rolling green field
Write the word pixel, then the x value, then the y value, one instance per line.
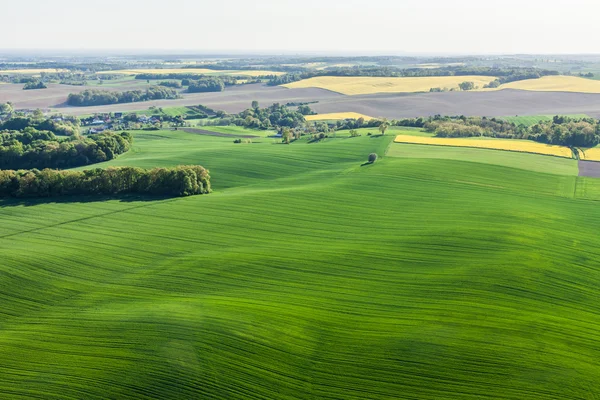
pixel 435 273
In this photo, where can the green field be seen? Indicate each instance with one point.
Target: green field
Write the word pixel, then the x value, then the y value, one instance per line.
pixel 431 274
pixel 529 120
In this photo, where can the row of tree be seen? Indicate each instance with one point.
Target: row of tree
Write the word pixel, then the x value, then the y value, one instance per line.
pixel 206 85
pixel 34 85
pixel 42 149
pixel 178 181
pixel 94 97
pixel 505 74
pixel 565 131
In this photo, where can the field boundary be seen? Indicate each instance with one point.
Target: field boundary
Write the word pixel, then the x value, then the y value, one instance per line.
pixel 478 147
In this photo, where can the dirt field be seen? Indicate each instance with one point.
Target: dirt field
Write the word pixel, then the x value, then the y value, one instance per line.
pixel 233 99
pixel 55 95
pixel 498 103
pixel 589 168
pixel 389 105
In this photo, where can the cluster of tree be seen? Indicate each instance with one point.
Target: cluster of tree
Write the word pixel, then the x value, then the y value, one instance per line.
pixel 66 126
pixel 94 97
pixel 274 116
pixel 565 131
pixel 171 84
pixel 178 181
pixel 34 85
pixel 305 110
pixel 505 74
pixel 206 85
pixel 32 148
pixel 6 108
pixel 466 86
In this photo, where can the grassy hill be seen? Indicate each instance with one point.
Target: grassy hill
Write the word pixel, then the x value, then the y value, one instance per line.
pixel 306 275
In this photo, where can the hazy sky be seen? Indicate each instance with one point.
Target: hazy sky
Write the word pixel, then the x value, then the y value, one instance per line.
pixel 373 26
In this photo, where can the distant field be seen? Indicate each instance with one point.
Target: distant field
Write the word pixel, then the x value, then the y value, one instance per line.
pixel 190 71
pixel 529 120
pixel 525 146
pixel 369 85
pixel 334 116
pixel 556 84
pixel 592 154
pixel 31 71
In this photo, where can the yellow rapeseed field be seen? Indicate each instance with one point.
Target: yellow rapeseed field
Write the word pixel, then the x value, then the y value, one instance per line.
pixel 523 146
pixel 340 115
pixel 592 154
pixel 556 84
pixel 189 71
pixel 368 84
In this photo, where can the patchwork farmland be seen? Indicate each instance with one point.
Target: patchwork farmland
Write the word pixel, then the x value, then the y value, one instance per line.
pixel 321 228
pixel 232 295
pixel 368 85
pixel 525 146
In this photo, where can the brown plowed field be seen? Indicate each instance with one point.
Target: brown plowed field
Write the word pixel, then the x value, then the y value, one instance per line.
pixel 236 99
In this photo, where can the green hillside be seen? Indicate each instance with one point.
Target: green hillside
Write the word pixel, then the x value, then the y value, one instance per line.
pixel 307 275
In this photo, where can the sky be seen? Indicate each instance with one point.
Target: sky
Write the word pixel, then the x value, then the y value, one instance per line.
pixel 305 26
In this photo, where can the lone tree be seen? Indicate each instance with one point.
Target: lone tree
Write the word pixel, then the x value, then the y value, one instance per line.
pixel 372 158
pixel 384 126
pixel 286 135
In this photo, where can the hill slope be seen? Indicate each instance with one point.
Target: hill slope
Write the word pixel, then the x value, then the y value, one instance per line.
pixel 306 276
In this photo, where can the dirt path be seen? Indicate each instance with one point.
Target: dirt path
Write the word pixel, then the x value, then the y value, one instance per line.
pixel 589 168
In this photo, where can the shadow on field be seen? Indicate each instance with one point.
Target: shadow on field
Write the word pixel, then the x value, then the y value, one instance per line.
pixel 30 202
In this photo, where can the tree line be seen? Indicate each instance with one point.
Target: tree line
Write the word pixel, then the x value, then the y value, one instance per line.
pixel 504 74
pixel 564 131
pixel 94 97
pixel 178 181
pixel 34 85
pixel 31 148
pixel 206 85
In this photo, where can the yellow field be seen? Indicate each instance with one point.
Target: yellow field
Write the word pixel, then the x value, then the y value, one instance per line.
pixel 332 116
pixel 31 71
pixel 556 84
pixel 368 85
pixel 523 146
pixel 592 154
pixel 189 71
